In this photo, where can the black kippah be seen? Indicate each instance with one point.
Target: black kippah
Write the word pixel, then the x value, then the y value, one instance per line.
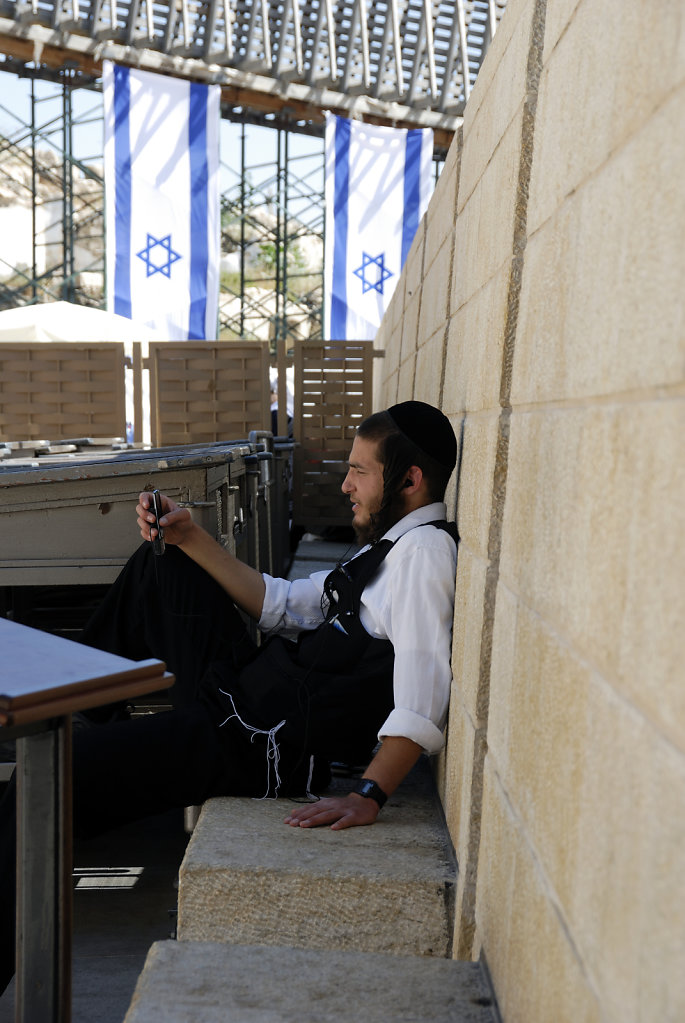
pixel 428 428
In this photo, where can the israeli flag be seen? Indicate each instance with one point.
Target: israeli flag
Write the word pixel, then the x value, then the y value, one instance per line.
pixel 378 183
pixel 162 201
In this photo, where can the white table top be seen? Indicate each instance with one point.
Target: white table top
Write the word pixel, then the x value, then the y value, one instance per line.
pixel 42 675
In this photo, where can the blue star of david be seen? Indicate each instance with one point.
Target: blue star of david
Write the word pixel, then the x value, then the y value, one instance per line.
pixel 163 261
pixel 381 273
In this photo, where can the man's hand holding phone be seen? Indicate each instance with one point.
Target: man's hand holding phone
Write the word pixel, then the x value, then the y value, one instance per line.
pixel 244 584
pixel 154 506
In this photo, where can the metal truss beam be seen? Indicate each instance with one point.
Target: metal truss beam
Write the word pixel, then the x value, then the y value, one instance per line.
pixel 404 62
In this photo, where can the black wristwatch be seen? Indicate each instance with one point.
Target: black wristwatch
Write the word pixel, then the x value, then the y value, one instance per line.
pixel 370 790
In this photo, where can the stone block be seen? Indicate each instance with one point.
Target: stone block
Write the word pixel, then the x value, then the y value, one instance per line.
pixel 442 208
pixel 477 468
pixel 413 267
pixel 600 305
pixel 539 715
pixel 394 312
pixel 532 958
pixel 383 369
pixel 410 327
pixel 474 349
pixel 387 364
pixel 509 25
pixel 451 494
pixel 465 936
pixel 451 164
pixel 649 647
pixel 211 983
pixel 247 878
pixel 467 630
pixel 406 377
pixel 498 104
pixel 429 360
pixel 629 909
pixel 614 90
pixel 503 660
pixel 435 299
pixel 603 819
pixel 558 13
pixel 662 906
pixel 383 334
pixel 459 773
pixel 380 379
pixel 592 539
pixel 387 393
pixel 484 230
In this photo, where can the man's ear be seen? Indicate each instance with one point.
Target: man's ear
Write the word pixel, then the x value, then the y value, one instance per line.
pixel 413 479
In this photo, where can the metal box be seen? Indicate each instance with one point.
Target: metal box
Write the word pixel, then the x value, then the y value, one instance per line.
pixel 70 519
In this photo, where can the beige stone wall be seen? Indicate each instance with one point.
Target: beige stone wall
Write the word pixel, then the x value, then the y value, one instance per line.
pixel 542 308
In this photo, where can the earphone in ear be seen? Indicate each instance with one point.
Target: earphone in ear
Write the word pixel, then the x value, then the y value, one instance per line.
pixel 407 483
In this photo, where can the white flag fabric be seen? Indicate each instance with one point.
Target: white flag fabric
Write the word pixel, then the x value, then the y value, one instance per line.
pixel 162 201
pixel 378 183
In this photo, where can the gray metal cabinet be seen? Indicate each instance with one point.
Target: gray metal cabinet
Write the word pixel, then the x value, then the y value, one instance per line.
pixel 71 519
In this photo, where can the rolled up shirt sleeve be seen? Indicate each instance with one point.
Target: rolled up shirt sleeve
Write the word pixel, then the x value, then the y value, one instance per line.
pixel 292 606
pixel 419 625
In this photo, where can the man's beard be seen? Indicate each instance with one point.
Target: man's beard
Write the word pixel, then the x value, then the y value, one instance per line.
pixel 380 521
pixel 364 532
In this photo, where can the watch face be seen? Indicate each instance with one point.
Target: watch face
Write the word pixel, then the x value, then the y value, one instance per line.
pixel 371 790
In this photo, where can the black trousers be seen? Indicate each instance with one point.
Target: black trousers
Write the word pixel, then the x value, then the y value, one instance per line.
pixel 170 609
pixel 167 607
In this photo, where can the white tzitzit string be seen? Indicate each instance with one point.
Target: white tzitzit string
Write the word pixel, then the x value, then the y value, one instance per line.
pixel 273 754
pixel 308 792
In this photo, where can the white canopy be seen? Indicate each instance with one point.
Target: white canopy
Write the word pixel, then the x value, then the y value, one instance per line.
pixel 65 321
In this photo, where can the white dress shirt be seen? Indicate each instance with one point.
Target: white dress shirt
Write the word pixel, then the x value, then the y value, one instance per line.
pixel 409 601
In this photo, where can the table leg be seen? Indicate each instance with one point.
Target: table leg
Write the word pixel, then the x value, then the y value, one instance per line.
pixel 44 869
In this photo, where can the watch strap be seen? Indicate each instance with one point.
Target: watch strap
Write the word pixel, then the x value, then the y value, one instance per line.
pixel 370 790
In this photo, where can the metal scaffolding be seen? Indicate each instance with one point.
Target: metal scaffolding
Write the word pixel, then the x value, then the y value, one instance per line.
pixel 272 220
pixel 413 61
pixel 61 193
pixel 280 65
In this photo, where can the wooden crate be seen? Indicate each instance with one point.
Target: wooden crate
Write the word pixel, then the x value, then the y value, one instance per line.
pixel 333 394
pixel 53 391
pixel 205 391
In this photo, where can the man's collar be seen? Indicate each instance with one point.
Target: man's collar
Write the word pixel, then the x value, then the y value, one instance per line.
pixel 426 513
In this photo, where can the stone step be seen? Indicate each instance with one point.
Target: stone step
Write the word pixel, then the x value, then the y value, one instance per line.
pixel 205 982
pixel 249 879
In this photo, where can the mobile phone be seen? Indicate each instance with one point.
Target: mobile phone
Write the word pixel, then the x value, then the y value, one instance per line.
pixel 158 544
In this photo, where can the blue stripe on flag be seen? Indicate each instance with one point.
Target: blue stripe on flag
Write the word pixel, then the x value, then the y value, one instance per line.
pixel 412 198
pixel 341 190
pixel 122 197
pixel 199 191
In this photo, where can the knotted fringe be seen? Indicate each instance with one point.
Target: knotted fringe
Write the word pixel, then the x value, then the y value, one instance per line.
pixel 273 754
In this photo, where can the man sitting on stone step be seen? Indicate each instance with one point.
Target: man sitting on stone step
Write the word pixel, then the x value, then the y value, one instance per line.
pixel 348 658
